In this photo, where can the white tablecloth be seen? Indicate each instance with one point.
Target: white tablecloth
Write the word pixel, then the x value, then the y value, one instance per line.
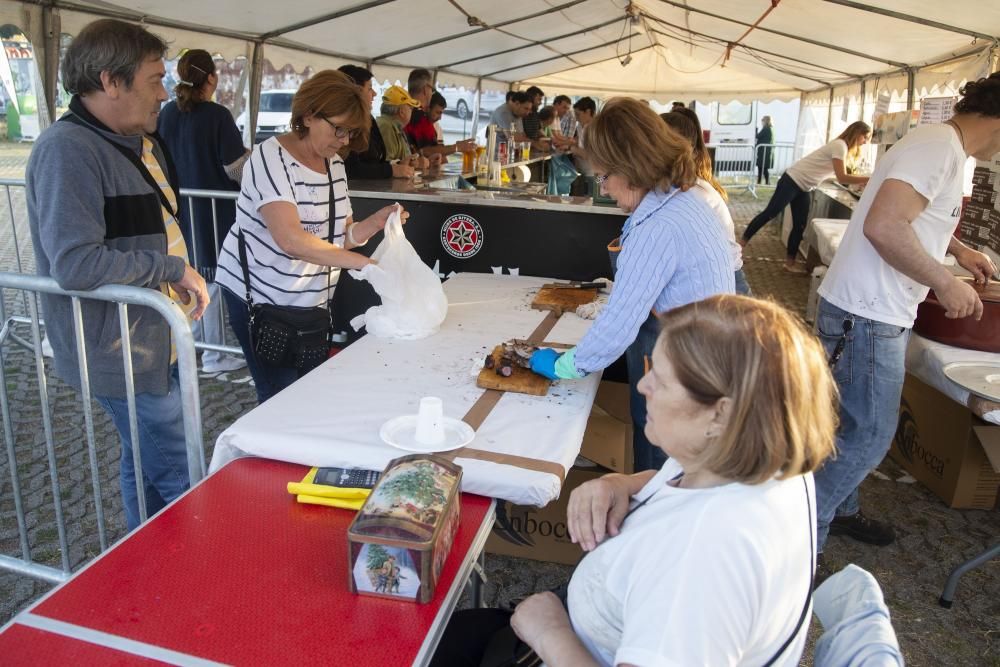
pixel 926 360
pixel 826 234
pixel 331 417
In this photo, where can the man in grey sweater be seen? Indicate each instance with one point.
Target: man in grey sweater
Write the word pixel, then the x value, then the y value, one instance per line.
pixel 101 203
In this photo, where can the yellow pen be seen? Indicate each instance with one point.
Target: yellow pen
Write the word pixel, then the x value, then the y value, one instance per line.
pixel 342 503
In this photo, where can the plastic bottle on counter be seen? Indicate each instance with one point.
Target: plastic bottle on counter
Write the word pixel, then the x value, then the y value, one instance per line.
pixel 503 147
pixel 492 155
pixel 482 164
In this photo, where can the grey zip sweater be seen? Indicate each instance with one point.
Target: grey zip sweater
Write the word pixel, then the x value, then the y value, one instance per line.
pixel 95 221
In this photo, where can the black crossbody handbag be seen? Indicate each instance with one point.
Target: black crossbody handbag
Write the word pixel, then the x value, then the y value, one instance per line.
pixel 290 336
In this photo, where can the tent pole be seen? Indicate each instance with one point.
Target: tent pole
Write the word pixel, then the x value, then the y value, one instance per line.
pixel 829 116
pixel 52 33
pixel 239 101
pixel 825 45
pixel 440 40
pixel 521 47
pixel 476 106
pixel 909 17
pixel 910 80
pixel 256 75
pixel 798 125
pixel 861 112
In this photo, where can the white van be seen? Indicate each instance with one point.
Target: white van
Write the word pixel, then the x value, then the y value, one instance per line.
pixel 274 116
pixel 732 133
pixel 737 122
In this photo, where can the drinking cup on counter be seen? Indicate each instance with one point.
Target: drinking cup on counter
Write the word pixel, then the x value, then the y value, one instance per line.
pixel 430 421
pixel 482 166
pixel 525 151
pixel 468 162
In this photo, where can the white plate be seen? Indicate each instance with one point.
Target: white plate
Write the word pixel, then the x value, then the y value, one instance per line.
pixel 401 432
pixel 979 378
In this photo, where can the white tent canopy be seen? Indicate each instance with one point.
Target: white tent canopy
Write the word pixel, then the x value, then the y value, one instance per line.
pixel 678 45
pixel 678 49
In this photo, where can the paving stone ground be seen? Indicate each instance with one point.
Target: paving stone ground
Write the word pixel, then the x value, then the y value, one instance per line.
pixel 932 537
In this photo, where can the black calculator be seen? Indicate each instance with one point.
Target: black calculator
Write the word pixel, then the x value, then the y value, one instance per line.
pixel 347 478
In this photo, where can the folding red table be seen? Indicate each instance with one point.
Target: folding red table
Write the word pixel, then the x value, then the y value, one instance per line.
pixel 237 572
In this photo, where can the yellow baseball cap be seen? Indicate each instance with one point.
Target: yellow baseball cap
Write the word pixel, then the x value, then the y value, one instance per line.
pixel 397 97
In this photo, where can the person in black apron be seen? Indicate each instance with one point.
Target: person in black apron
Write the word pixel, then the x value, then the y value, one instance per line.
pixel 671 252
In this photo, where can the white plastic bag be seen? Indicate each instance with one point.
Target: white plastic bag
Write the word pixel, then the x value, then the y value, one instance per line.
pixel 413 301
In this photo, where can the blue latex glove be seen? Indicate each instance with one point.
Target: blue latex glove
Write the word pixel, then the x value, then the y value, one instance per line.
pixel 549 363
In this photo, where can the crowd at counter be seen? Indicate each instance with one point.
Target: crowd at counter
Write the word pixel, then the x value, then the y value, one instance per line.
pixel 709 552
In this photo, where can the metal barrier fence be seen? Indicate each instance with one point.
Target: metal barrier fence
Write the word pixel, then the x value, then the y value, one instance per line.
pixel 124 296
pixel 17 259
pixel 741 165
pixel 213 324
pixel 16 255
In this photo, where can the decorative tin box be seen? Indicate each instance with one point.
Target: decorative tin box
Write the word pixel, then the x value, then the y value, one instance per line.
pixel 400 538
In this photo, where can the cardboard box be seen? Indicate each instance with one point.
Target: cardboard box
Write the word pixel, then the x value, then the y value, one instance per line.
pixel 540 533
pixel 608 438
pixel 947 448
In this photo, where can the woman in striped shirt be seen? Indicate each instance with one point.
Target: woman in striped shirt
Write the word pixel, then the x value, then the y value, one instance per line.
pixel 293 189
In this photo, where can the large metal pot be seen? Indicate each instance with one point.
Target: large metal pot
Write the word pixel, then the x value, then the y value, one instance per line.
pixel 965 332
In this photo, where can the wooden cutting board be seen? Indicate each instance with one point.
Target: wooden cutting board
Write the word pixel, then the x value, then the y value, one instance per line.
pixel 562 300
pixel 521 381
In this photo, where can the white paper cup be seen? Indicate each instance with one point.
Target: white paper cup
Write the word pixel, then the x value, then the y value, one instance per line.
pixel 430 421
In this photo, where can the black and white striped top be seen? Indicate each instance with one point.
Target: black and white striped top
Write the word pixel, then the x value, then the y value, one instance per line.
pixel 272 174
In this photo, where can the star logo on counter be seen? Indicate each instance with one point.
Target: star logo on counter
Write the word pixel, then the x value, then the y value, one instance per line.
pixel 461 236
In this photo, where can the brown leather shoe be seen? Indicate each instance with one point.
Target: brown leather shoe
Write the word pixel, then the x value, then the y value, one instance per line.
pixel 863 529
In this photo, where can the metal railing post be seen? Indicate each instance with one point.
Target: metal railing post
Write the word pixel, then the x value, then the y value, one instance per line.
pixel 50 444
pixel 133 419
pixel 88 419
pixel 122 295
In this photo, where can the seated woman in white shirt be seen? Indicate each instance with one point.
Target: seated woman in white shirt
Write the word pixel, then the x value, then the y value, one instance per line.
pixel 710 560
pixel 802 177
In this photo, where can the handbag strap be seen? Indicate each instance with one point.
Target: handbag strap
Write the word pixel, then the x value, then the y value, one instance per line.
pixel 809 593
pixel 331 211
pixel 331 221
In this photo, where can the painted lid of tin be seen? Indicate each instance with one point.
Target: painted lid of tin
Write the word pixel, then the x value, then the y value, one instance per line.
pixel 409 499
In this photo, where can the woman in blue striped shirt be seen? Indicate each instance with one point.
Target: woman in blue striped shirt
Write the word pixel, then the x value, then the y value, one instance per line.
pixel 672 251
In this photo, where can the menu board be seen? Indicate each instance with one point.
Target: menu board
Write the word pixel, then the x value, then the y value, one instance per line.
pixel 936 109
pixel 980 222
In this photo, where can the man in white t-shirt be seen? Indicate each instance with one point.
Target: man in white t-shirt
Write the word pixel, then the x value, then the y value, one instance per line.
pixel 890 256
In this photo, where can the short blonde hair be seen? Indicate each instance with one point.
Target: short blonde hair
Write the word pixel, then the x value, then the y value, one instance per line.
pixel 331 93
pixel 784 401
pixel 628 138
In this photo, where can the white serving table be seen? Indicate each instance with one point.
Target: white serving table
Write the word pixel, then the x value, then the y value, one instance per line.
pixel 331 417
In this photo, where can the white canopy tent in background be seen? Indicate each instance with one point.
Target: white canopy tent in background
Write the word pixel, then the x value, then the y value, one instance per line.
pixel 711 50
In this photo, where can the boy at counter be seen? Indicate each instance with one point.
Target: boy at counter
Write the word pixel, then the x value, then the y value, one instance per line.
pixel 510 114
pixel 423 134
